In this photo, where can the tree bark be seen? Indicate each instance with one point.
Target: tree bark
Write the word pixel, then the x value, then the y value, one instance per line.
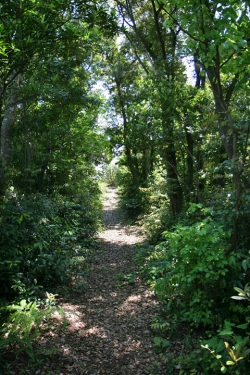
pixel 229 136
pixel 8 121
pixel 174 188
pixel 190 161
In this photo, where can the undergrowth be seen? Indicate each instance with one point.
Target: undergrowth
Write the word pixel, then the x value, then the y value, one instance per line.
pixel 45 245
pixel 200 329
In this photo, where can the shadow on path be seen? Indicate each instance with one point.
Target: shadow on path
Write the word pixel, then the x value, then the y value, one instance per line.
pixel 108 329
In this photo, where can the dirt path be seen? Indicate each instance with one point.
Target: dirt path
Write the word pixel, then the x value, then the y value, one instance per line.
pixel 108 328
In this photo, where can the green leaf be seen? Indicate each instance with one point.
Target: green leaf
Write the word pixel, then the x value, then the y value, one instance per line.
pixel 23 303
pixel 245 353
pixel 246 288
pixel 243 326
pixel 226 332
pixel 230 363
pixel 244 265
pixel 157 340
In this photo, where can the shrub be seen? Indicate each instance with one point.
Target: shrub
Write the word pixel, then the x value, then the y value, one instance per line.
pixel 22 326
pixel 229 348
pixel 193 266
pixel 39 236
pixel 158 217
pixel 133 198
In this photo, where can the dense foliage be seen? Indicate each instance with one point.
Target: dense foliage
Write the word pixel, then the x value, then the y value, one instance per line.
pixel 183 168
pixel 181 145
pixel 50 147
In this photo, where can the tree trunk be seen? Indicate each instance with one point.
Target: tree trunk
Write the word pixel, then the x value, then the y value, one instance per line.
pixel 229 136
pixel 6 134
pixel 227 130
pixel 131 166
pixel 190 161
pixel 160 49
pixel 175 193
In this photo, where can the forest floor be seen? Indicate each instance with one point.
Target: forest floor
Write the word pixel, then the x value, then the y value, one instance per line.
pixel 108 324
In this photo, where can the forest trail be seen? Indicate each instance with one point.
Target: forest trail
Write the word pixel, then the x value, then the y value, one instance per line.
pixel 108 329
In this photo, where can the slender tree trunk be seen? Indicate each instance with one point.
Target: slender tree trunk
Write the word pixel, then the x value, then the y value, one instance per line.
pixel 8 121
pixel 44 167
pixel 190 161
pixel 229 136
pixel 227 130
pixel 162 61
pixel 128 152
pixel 131 165
pixel 200 184
pixel 146 164
pixel 175 193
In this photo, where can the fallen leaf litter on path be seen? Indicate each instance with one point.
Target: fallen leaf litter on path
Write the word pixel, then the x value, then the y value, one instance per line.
pixel 108 325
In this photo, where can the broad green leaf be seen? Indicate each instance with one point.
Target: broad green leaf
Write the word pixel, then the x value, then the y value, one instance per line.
pixel 230 363
pixel 23 303
pixel 243 326
pixel 226 332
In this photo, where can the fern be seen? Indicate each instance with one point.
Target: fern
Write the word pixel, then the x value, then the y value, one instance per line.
pixel 22 326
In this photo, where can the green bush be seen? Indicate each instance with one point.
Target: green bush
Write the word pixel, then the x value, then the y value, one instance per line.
pixel 157 217
pixel 230 347
pixel 133 197
pixel 192 269
pixel 195 269
pixel 38 238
